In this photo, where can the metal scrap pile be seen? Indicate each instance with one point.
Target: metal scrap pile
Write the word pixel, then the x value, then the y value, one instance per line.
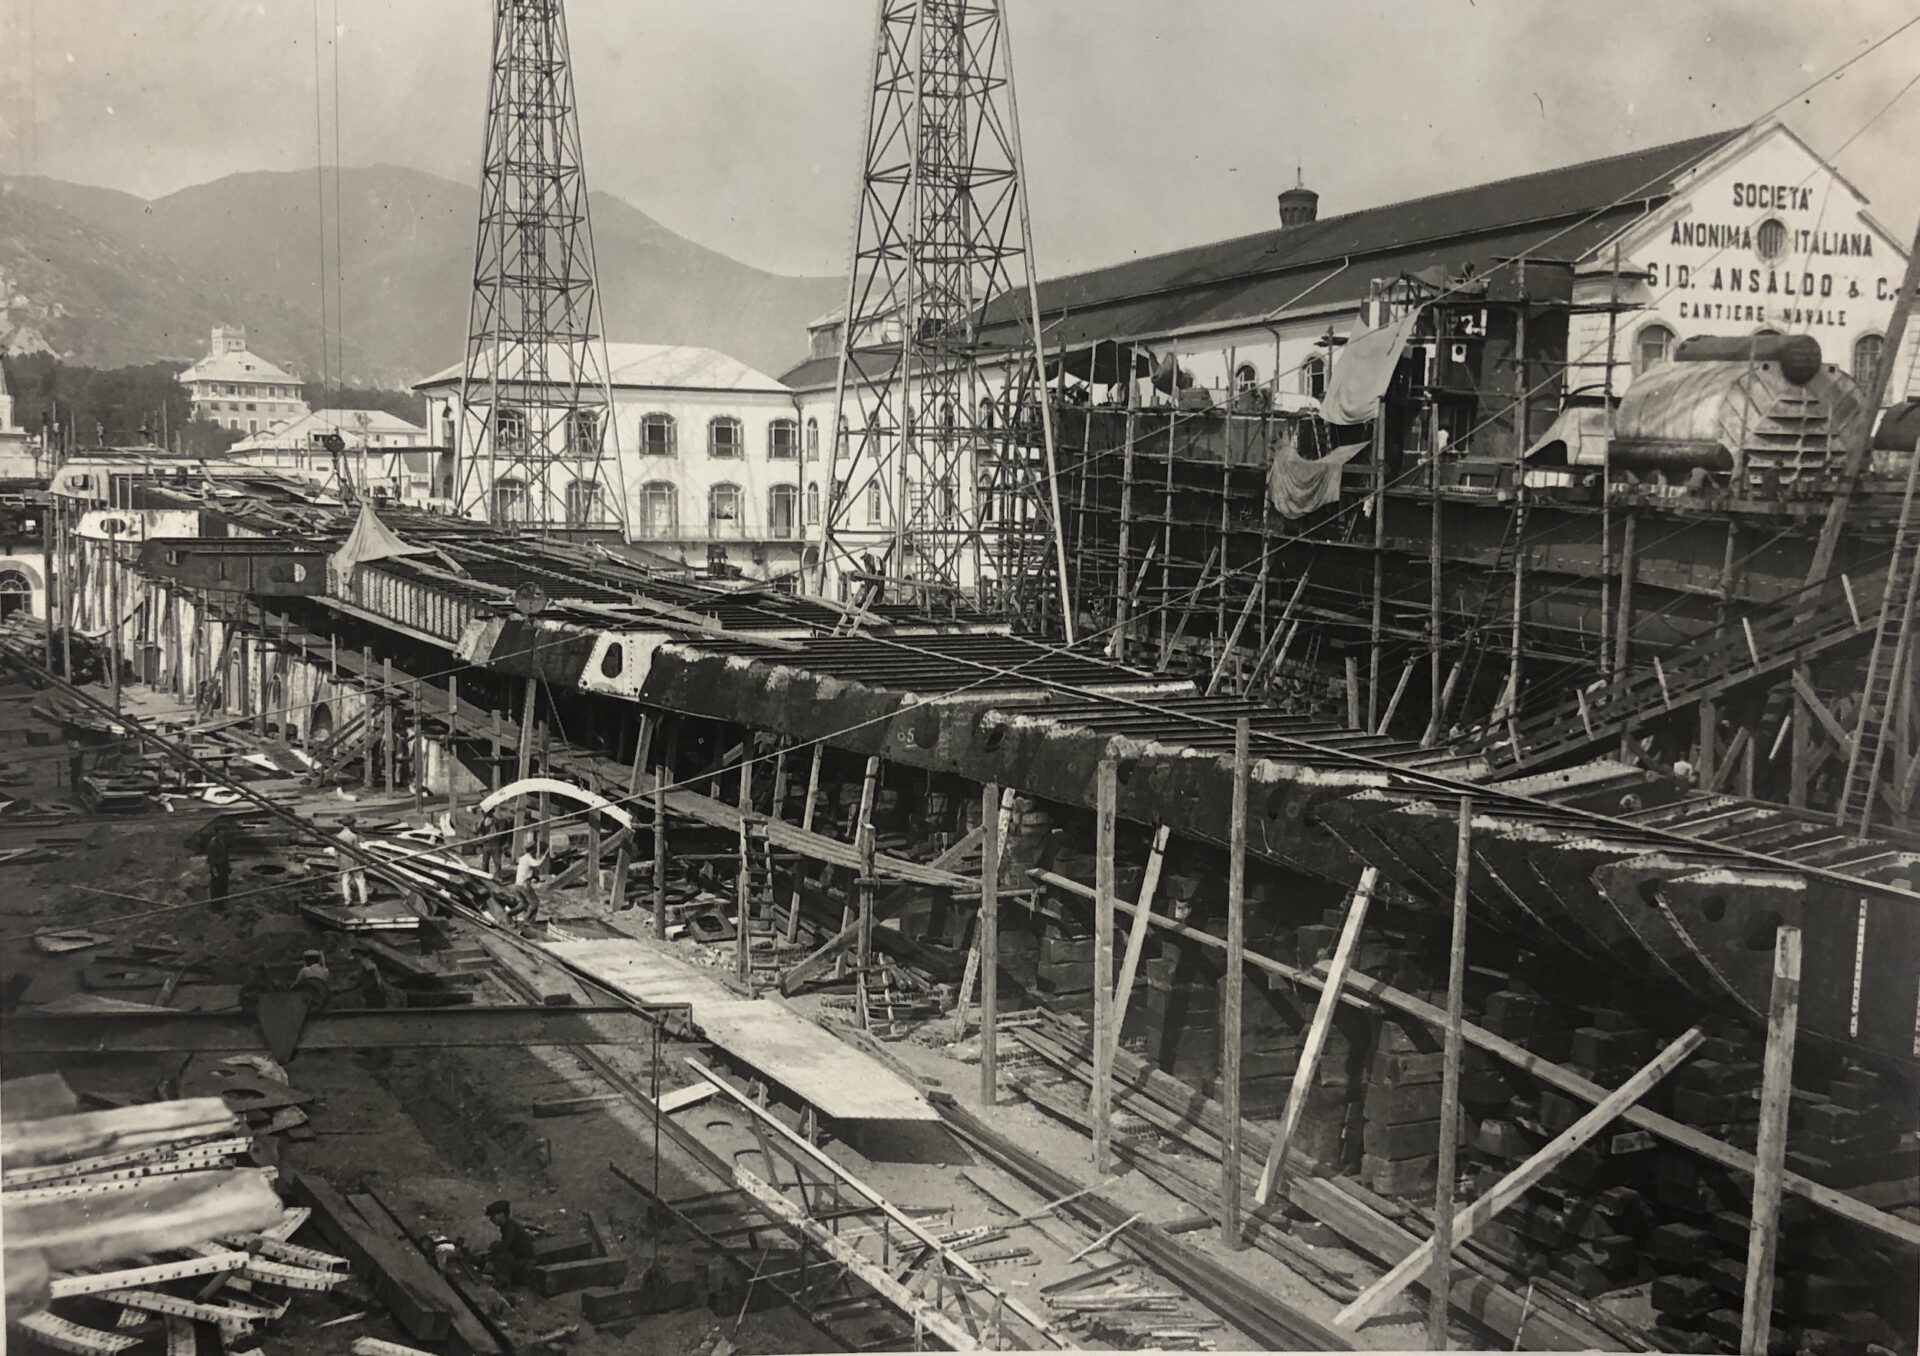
pixel 141 1221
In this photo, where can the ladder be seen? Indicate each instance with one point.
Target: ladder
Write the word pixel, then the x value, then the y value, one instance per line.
pixel 1886 664
pixel 850 620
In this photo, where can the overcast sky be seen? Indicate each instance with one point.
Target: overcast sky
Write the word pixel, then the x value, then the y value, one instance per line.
pixel 1148 124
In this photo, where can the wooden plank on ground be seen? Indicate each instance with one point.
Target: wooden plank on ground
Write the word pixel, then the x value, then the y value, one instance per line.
pixel 416 1302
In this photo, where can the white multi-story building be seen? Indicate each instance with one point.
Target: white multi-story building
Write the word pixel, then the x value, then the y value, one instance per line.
pixel 238 389
pixel 711 458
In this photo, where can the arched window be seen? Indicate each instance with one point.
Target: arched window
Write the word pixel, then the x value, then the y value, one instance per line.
pixel 725 438
pixel 873 503
pixel 813 503
pixel 1867 351
pixel 583 433
pixel 1313 376
pixel 842 449
pixel 783 510
pixel 813 440
pixel 659 509
pixel 1245 379
pixel 586 505
pixel 656 435
pixel 1651 347
pixel 723 509
pixel 510 429
pixel 509 500
pixel 1770 241
pixel 16 593
pixel 988 413
pixel 783 440
pixel 446 425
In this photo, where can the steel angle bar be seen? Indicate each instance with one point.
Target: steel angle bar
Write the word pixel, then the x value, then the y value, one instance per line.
pixel 154 1302
pixel 134 1278
pixel 48 1173
pixel 126 1180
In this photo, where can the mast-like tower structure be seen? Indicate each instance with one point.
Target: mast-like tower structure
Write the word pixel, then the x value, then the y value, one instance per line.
pixel 944 476
pixel 535 441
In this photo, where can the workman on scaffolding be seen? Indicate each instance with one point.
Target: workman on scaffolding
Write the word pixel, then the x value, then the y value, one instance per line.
pixel 353 879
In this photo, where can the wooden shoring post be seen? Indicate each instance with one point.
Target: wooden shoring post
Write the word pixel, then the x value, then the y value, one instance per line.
pixel 1316 1039
pixel 743 886
pixel 1434 531
pixel 1522 1179
pixel 659 853
pixel 1353 693
pixel 1122 600
pixel 543 832
pixel 1106 796
pixel 1399 691
pixel 1440 1291
pixel 367 763
pixel 1377 616
pixel 869 786
pixel 865 889
pixel 453 734
pixel 388 734
pixel 806 823
pixel 1239 625
pixel 499 745
pixel 1770 1150
pixel 524 768
pixel 419 754
pixel 987 939
pixel 1280 635
pixel 594 879
pixel 1137 933
pixel 1186 611
pixel 1706 761
pixel 1236 975
pixel 642 746
pixel 1800 751
pixel 1623 623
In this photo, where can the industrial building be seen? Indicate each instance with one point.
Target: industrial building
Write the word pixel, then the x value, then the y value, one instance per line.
pixel 1350 788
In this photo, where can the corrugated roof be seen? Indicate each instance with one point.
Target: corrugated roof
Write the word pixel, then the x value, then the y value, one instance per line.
pixel 1254 276
pixel 664 366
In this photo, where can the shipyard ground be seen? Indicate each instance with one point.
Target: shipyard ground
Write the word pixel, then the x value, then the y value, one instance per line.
pixel 436 1134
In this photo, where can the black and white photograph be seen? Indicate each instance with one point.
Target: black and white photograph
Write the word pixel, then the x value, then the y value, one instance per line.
pixel 706 677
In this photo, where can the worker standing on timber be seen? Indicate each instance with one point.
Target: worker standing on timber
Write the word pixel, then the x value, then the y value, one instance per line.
pixel 526 897
pixel 353 879
pixel 219 867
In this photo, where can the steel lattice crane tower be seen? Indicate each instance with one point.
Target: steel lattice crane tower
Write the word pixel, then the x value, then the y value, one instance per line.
pixel 943 475
pixel 534 443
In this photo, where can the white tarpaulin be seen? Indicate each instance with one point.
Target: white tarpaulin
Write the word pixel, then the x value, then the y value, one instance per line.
pixel 1362 371
pixel 372 539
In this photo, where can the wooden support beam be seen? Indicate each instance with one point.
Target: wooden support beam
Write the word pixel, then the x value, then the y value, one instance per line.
pixel 1399 691
pixel 800 972
pixel 1106 796
pixel 1137 934
pixel 1239 625
pixel 1316 1039
pixel 1770 1152
pixel 1449 1169
pixel 987 939
pixel 660 853
pixel 1516 1183
pixel 743 883
pixel 806 826
pixel 1838 733
pixel 453 734
pixel 1236 977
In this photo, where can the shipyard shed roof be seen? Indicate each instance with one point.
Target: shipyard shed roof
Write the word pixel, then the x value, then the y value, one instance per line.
pixel 682 367
pixel 1256 275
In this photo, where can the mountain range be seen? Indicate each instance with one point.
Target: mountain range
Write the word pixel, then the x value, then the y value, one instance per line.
pixel 105 278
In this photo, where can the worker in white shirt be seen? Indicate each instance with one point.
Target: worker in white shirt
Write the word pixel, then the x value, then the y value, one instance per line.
pixel 353 879
pixel 526 899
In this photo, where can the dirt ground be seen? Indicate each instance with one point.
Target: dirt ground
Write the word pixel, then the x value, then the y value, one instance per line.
pixel 442 1132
